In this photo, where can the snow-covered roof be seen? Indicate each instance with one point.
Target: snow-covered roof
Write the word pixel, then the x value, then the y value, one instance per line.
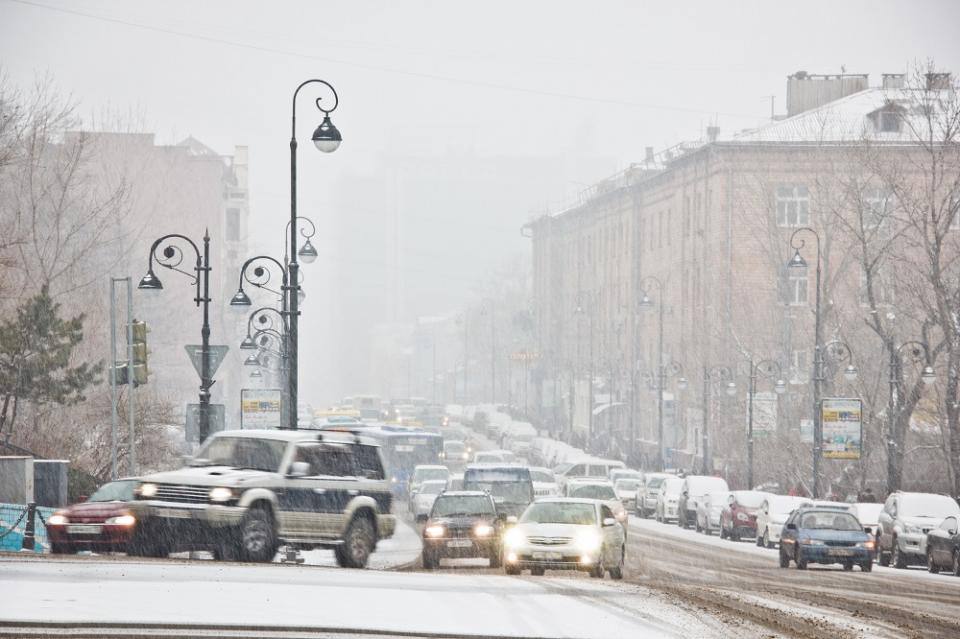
pixel 848 119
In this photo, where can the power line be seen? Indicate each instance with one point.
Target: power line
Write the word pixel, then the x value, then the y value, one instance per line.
pixel 371 67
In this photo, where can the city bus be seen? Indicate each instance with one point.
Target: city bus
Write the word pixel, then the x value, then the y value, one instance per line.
pixel 402 449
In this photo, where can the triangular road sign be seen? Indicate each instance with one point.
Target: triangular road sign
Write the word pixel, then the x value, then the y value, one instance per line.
pixel 217 353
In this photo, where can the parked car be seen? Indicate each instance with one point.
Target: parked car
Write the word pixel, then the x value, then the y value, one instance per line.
pixel 623 473
pixel 695 488
pixel 709 508
pixel 423 500
pixel 943 546
pixel 455 453
pixel 561 533
pixel 868 515
pixel 462 524
pixel 102 523
pixel 247 492
pixel 592 468
pixel 602 490
pixel 668 498
pixel 738 519
pixel 647 491
pixel 825 536
pixel 773 514
pixel 426 472
pixel 626 489
pixel 544 483
pixel 905 521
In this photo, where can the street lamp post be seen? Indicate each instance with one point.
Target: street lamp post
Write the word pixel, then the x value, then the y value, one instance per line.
pixel 171 257
pixel 327 139
pixel 917 352
pixel 720 374
pixel 260 329
pixel 768 369
pixel 646 304
pixel 837 350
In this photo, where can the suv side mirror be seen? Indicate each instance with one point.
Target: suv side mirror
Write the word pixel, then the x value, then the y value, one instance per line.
pixel 609 521
pixel 421 518
pixel 298 469
pixel 791 526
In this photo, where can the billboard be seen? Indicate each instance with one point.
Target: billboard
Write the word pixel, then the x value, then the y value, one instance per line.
pixel 764 413
pixel 260 408
pixel 842 428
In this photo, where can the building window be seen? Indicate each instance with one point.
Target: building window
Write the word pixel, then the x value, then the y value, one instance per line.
pixel 890 121
pixel 882 289
pixel 233 225
pixel 877 204
pixel 793 206
pixel 793 287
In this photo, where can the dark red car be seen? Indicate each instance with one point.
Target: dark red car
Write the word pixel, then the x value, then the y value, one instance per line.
pixel 102 523
pixel 738 519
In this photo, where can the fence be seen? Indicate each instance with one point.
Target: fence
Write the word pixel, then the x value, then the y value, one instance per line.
pixel 13 523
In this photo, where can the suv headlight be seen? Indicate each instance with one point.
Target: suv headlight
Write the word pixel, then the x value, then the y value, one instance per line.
pixel 221 494
pixel 483 530
pixel 147 490
pixel 912 530
pixel 514 537
pixel 434 531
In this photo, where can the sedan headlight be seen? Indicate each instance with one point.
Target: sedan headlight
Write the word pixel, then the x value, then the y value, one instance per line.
pixel 147 490
pixel 483 530
pixel 122 520
pixel 869 545
pixel 434 531
pixel 811 542
pixel 514 537
pixel 588 541
pixel 221 494
pixel 57 519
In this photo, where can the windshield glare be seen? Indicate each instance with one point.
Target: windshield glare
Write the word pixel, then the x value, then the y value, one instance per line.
pixel 465 505
pixel 593 492
pixel 560 513
pixel 929 506
pixel 114 491
pixel 244 452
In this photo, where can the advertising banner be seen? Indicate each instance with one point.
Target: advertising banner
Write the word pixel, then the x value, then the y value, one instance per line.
pixel 260 408
pixel 842 421
pixel 764 413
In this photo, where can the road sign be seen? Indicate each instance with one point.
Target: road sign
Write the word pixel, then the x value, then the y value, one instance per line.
pixel 260 407
pixel 217 354
pixel 193 421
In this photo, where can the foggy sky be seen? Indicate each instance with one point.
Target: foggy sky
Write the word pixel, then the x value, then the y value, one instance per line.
pixel 582 86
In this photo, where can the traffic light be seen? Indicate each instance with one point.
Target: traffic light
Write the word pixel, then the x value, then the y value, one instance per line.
pixel 139 352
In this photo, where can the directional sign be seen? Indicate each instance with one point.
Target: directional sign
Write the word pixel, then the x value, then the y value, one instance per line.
pixel 217 354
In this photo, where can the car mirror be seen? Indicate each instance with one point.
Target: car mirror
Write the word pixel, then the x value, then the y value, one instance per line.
pixel 299 469
pixel 511 519
pixel 791 526
pixel 609 521
pixel 868 530
pixel 421 518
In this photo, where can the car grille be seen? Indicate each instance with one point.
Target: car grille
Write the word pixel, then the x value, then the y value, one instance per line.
pixel 844 544
pixel 182 494
pixel 549 541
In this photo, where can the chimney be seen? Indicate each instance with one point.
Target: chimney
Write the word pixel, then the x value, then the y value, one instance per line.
pixel 806 91
pixel 712 133
pixel 648 155
pixel 938 81
pixel 893 80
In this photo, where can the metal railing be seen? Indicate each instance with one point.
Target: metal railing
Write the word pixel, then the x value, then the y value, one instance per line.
pixel 21 529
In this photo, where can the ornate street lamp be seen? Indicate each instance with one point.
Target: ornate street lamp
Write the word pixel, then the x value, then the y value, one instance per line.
pixel 768 369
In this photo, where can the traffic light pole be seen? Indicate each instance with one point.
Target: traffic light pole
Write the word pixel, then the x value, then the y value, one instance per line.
pixel 131 381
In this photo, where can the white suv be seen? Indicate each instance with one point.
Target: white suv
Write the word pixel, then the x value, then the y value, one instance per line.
pixel 905 520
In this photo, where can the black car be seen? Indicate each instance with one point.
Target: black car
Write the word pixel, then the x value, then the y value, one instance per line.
pixel 462 524
pixel 943 546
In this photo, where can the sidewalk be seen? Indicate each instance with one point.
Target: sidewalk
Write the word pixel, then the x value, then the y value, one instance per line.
pixel 398 551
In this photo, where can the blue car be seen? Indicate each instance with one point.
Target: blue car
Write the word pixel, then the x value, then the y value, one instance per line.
pixel 826 536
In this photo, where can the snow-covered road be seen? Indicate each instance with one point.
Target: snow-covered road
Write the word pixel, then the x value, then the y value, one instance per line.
pixel 268 596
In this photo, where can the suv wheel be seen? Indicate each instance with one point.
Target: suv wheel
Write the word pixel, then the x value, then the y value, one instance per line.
pixel 956 563
pixel 932 565
pixel 616 572
pixel 429 560
pixel 899 561
pixel 258 539
pixel 357 544
pixel 883 558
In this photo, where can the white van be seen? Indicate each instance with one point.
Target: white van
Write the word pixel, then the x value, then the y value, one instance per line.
pixel 592 468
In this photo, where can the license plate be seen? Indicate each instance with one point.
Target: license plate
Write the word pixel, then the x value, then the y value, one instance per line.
pixel 173 513
pixel 84 530
pixel 841 552
pixel 459 543
pixel 550 556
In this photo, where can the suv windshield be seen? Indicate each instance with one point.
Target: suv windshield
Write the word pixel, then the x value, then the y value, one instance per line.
pixel 829 520
pixel 243 452
pixel 593 491
pixel 939 506
pixel 560 513
pixel 114 491
pixel 462 505
pixel 539 475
